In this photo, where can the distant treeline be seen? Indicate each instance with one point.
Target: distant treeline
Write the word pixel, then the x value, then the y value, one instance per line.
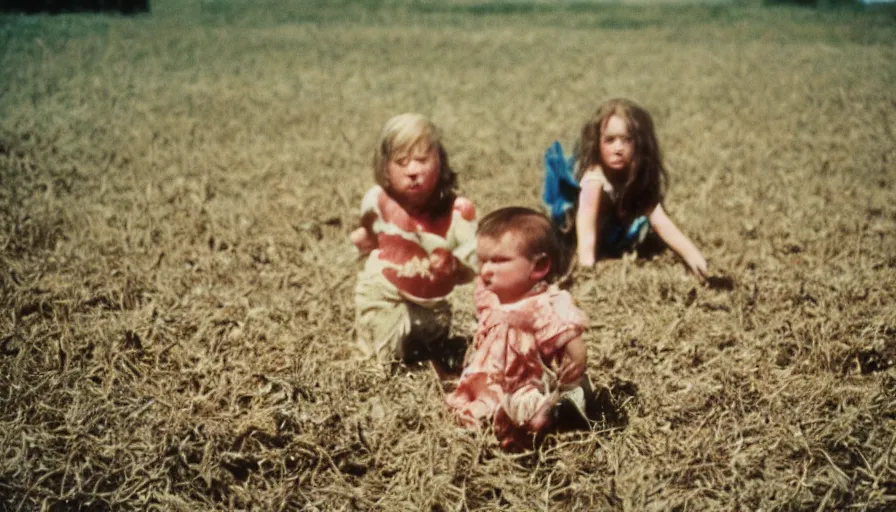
pixel 60 6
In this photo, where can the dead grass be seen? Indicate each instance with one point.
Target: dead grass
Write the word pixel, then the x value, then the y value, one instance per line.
pixel 177 282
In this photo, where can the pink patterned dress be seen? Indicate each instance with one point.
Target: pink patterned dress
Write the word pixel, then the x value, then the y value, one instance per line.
pixel 510 378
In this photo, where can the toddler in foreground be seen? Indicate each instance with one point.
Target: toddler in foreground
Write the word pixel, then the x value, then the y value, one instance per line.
pixel 528 350
pixel 420 238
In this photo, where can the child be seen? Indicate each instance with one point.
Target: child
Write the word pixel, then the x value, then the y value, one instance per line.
pixel 620 181
pixel 420 238
pixel 528 350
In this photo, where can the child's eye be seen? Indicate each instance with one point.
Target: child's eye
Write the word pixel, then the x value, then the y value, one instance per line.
pixel 402 161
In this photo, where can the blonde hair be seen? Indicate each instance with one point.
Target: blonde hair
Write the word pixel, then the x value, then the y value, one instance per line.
pixel 401 134
pixel 645 185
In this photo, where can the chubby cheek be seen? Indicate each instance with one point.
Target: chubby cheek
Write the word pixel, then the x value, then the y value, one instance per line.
pixel 500 278
pixel 395 174
pixel 431 179
pixel 610 149
pixel 485 272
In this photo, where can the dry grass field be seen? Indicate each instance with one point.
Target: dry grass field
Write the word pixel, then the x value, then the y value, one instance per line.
pixel 176 282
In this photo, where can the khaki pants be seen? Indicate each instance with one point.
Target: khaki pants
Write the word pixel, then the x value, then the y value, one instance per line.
pixel 390 328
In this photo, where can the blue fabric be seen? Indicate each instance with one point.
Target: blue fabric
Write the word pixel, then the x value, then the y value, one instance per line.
pixel 561 191
pixel 619 238
pixel 560 186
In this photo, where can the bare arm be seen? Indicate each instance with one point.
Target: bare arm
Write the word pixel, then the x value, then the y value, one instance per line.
pixel 465 232
pixel 575 356
pixel 678 242
pixel 464 274
pixel 363 237
pixel 586 222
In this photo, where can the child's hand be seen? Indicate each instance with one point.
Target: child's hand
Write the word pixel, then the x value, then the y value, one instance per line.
pixel 570 371
pixel 697 264
pixel 574 361
pixel 441 262
pixel 363 237
pixel 363 240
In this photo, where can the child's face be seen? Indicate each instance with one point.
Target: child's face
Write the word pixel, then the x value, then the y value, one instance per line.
pixel 617 147
pixel 504 268
pixel 414 175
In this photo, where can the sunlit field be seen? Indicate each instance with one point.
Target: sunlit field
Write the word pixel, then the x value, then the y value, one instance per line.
pixel 176 280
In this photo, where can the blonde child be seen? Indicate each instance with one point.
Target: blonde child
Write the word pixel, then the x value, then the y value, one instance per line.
pixel 619 180
pixel 528 351
pixel 419 238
